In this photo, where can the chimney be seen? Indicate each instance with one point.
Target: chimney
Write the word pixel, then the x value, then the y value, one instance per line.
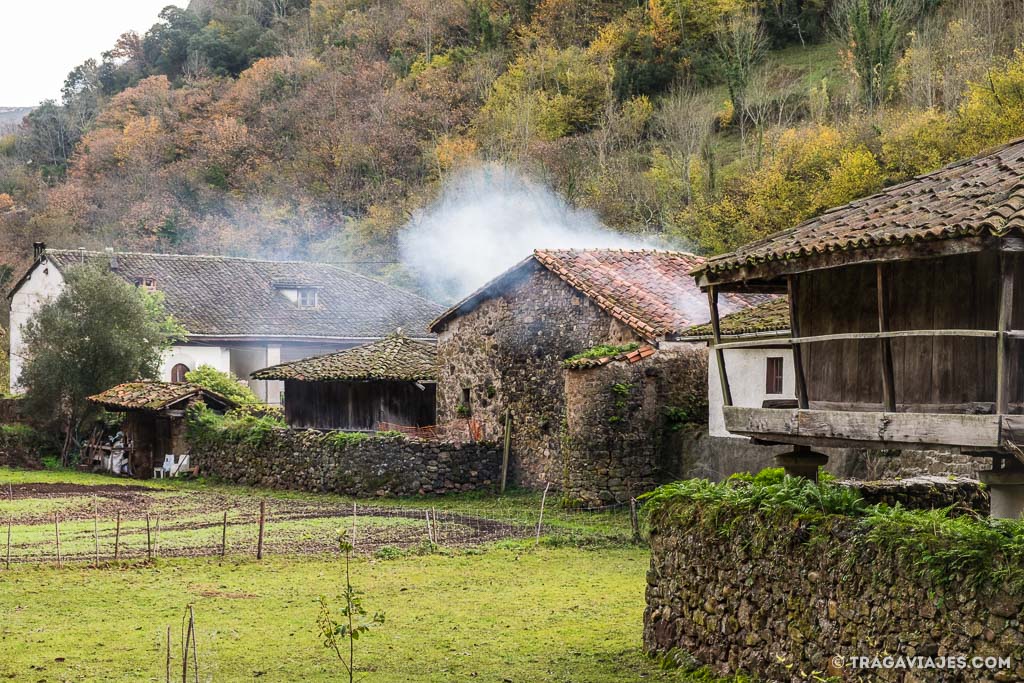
pixel 38 249
pixel 114 263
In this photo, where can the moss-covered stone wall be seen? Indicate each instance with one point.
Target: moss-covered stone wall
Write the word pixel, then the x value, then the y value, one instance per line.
pixel 351 464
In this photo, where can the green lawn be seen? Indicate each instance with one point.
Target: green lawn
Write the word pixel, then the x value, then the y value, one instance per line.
pixel 569 609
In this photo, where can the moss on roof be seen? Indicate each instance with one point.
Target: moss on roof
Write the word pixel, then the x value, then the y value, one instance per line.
pixel 149 395
pixel 394 358
pixel 771 316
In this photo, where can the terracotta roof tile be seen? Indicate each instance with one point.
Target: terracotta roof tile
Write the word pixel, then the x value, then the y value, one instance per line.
pixel 980 195
pixel 393 358
pixel 147 395
pixel 649 290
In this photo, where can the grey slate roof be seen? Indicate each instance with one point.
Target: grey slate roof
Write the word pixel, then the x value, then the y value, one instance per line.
pixel 226 296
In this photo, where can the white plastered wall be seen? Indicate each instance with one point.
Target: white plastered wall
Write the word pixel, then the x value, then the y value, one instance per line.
pixel 746 371
pixel 44 283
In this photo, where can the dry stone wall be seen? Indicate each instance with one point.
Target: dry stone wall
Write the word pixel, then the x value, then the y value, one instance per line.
pixel 310 460
pixel 774 600
pixel 507 354
pixel 620 423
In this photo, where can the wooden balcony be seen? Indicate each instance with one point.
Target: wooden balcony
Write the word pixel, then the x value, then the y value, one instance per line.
pixel 837 428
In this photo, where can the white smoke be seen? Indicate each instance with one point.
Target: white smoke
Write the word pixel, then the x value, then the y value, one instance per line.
pixel 487 220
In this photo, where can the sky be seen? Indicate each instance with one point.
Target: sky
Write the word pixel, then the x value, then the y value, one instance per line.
pixel 42 40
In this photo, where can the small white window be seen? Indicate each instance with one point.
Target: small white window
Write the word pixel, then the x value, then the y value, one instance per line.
pixel 307 298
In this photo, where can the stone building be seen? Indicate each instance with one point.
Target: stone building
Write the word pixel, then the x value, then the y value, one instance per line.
pixel 501 351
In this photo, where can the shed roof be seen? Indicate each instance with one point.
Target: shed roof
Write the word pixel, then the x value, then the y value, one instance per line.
pixel 982 195
pixel 771 316
pixel 393 358
pixel 154 396
pixel 649 290
pixel 220 296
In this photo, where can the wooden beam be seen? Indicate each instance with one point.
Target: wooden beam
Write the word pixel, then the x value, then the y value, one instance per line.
pixel 888 376
pixel 1004 382
pixel 716 331
pixel 892 334
pixel 794 328
pixel 882 429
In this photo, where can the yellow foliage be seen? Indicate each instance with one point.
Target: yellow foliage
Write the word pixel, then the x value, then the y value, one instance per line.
pixel 993 110
pixel 916 142
pixel 454 152
pixel 857 175
pixel 6 202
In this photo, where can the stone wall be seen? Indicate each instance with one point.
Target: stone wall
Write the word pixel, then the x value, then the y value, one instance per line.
pixel 310 460
pixel 620 422
pixel 507 354
pixel 775 600
pixel 696 454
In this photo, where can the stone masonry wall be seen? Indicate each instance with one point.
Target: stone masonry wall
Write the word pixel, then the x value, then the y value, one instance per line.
pixel 507 353
pixel 310 460
pixel 772 600
pixel 620 419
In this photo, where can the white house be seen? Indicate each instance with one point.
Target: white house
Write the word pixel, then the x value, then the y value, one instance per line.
pixel 757 375
pixel 240 314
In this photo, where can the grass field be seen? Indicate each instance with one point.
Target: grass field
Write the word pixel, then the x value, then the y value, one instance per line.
pixel 566 610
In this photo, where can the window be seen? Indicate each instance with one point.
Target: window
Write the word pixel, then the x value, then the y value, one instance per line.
pixel 178 372
pixel 307 298
pixel 465 409
pixel 147 283
pixel 773 375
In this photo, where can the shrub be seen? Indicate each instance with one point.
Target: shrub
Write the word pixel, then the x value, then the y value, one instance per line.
pixel 208 429
pixel 224 383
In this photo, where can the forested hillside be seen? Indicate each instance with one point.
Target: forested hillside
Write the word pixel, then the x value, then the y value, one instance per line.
pixel 315 128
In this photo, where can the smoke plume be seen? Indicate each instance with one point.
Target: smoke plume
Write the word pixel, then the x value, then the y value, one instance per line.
pixel 487 220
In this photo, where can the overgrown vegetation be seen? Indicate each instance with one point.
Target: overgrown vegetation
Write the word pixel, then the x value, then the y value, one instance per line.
pixel 224 383
pixel 603 351
pixel 208 429
pixel 707 124
pixel 948 548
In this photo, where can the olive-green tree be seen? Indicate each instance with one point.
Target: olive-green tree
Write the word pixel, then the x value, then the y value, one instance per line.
pixel 98 332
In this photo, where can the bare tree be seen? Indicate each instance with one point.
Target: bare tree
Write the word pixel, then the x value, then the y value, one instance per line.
pixel 741 42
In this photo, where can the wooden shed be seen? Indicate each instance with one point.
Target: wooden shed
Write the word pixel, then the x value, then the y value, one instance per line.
pixel 154 425
pixel 906 320
pixel 388 383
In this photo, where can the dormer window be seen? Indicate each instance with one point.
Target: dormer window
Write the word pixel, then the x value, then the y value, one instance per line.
pixel 147 283
pixel 306 297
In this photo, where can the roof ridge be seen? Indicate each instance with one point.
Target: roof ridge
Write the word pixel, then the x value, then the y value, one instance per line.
pixel 209 257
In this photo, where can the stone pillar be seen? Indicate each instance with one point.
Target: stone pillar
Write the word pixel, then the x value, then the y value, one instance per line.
pixel 802 462
pixel 1006 489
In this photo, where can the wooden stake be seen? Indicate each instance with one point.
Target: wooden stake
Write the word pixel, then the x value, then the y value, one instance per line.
pixel 96 531
pixel 540 520
pixel 634 519
pixel 353 525
pixel 56 529
pixel 10 519
pixel 259 541
pixel 168 677
pixel 224 536
pixel 117 537
pixel 156 537
pixel 149 541
pixel 430 532
pixel 508 447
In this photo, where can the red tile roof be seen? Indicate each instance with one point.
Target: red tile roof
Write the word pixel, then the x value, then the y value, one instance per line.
pixel 976 196
pixel 649 290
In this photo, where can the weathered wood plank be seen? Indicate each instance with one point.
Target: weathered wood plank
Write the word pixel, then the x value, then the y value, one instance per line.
pixel 1003 382
pixel 716 331
pixel 885 348
pixel 794 327
pixel 890 429
pixel 893 334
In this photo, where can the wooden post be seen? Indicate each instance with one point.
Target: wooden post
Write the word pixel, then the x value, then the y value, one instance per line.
pixel 117 537
pixel 10 519
pixel 634 519
pixel 794 331
pixel 224 536
pixel 508 446
pixel 149 541
pixel 353 524
pixel 716 333
pixel 156 536
pixel 56 529
pixel 96 531
pixel 259 540
pixel 430 531
pixel 1003 380
pixel 540 520
pixel 168 664
pixel 885 344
